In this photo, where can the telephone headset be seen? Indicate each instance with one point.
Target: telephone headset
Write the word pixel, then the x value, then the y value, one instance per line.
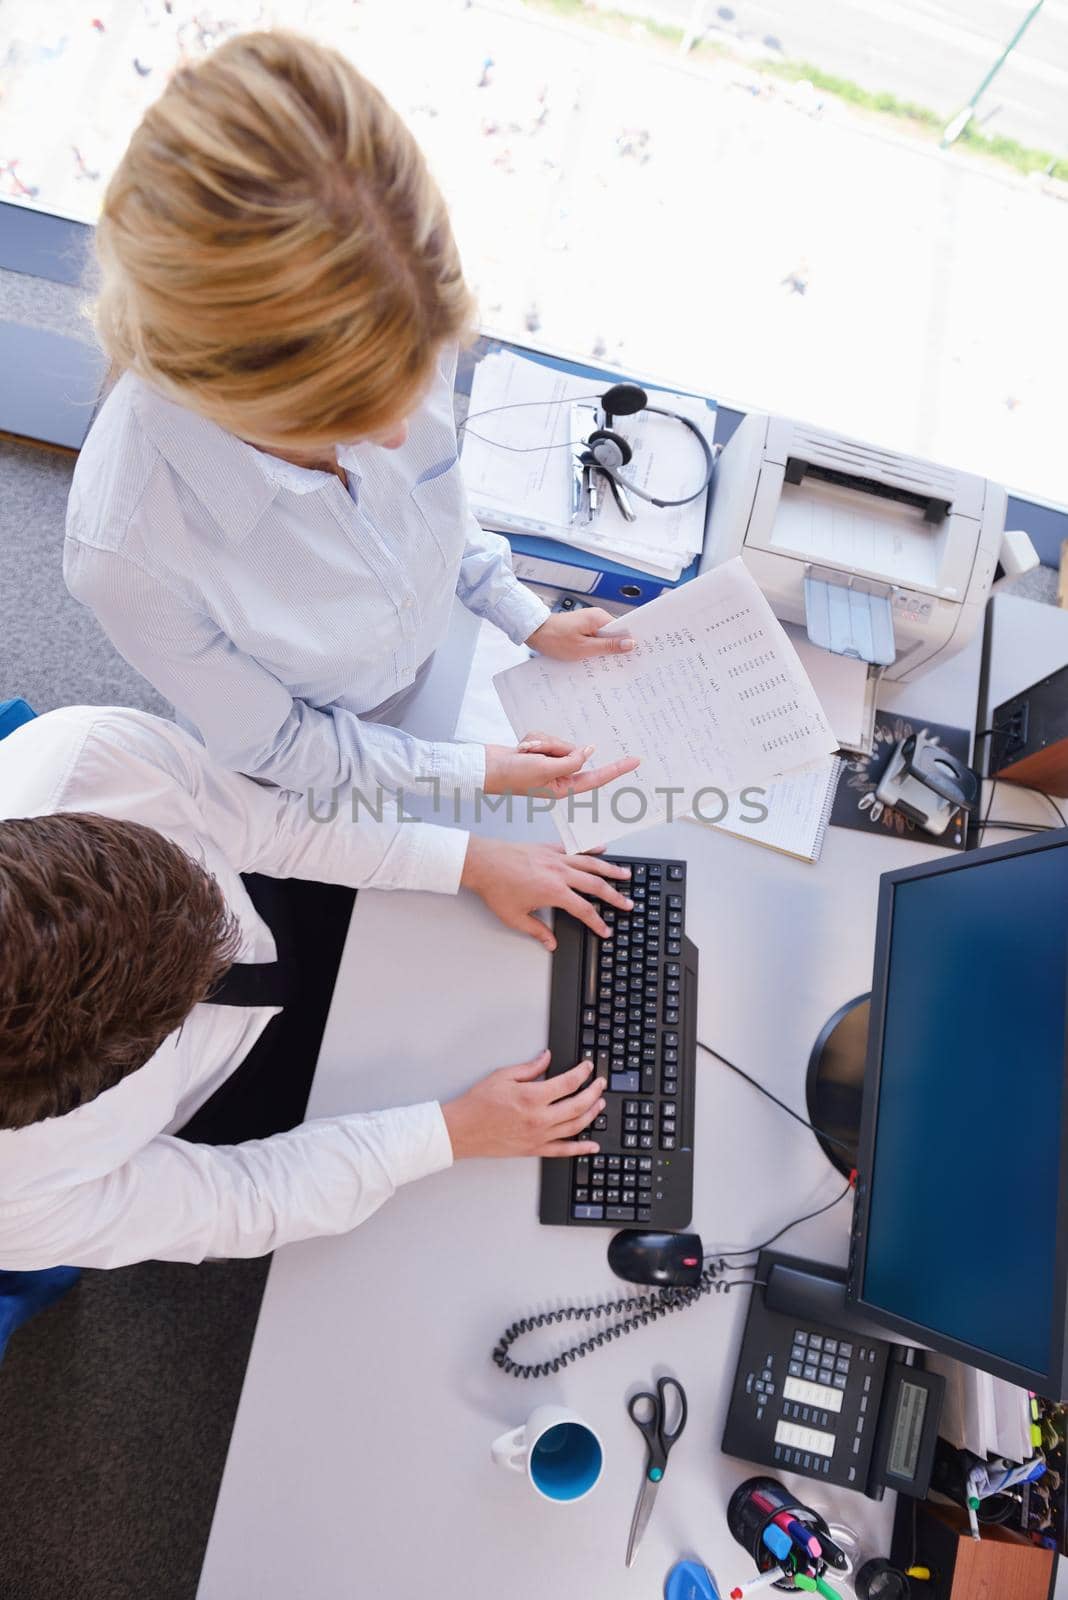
pixel 606 449
pixel 623 1316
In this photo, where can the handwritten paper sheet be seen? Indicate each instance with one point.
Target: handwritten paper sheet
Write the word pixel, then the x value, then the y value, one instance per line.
pixel 713 696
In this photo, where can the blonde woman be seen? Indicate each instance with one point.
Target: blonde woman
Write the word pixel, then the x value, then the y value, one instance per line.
pixel 267 516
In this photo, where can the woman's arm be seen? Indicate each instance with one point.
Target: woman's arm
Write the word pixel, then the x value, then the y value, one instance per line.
pixel 488 586
pixel 248 720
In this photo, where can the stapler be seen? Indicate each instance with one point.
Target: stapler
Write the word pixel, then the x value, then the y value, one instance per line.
pixel 926 783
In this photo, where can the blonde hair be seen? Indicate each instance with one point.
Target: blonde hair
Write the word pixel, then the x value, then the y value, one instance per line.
pixel 273 252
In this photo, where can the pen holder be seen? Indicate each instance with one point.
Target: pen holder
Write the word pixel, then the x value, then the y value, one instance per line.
pixel 756 1503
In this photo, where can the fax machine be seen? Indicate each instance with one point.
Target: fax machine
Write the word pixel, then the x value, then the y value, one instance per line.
pixel 880 555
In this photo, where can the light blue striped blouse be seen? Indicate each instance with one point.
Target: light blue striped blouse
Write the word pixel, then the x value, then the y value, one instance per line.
pixel 272 608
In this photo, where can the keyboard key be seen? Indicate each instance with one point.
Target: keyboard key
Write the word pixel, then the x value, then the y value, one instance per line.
pixel 840 1380
pixel 588 1213
pixel 630 1108
pixel 667 1142
pixel 627 1197
pixel 624 1082
pixel 645 1213
pixel 582 1169
pixel 645 1141
pixel 674 947
pixel 794 1369
pixel 671 1042
pixel 601 1124
pixel 630 1124
pixel 671 1016
pixel 581 1196
pixel 810 1373
pixel 629 1141
pixel 645 1180
pixel 597 1195
pixel 630 1163
pixel 620 1214
pixel 612 1196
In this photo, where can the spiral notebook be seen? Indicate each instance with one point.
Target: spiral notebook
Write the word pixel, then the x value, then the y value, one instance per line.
pixel 799 812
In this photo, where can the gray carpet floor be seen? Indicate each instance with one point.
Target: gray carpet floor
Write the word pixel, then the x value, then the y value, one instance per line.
pixel 116 1405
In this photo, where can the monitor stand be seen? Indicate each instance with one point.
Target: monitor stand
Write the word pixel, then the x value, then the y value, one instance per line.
pixel 835 1083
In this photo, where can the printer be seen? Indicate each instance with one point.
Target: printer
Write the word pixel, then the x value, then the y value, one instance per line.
pixel 880 556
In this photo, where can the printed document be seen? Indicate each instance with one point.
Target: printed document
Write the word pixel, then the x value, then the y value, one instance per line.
pixel 712 699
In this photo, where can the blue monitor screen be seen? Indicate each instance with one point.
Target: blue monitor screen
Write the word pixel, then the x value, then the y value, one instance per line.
pixel 964 1188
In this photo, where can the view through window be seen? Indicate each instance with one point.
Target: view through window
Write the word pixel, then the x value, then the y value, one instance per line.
pixel 767 215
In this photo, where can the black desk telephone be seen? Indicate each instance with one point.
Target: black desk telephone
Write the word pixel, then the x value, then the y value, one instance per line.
pixel 816 1393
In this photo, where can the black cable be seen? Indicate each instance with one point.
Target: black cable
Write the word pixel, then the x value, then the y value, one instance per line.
pixel 830 1138
pixel 796 1223
pixel 640 1310
pixel 632 1311
pixel 1062 819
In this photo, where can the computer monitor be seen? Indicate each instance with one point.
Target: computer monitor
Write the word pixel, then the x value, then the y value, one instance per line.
pixel 961 1222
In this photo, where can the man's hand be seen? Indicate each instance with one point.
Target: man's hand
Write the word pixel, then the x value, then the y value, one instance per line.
pixel 542 764
pixel 573 635
pixel 517 879
pixel 510 1114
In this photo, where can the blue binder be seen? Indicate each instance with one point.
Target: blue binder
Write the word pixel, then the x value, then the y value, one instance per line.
pixel 550 562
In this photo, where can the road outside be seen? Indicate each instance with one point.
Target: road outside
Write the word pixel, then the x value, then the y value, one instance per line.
pixel 697 221
pixel 934 53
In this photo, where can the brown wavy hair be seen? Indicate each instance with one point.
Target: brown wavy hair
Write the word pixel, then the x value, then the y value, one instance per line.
pixel 109 936
pixel 273 252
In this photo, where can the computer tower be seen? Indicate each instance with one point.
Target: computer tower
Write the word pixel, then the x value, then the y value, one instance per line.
pixel 1029 741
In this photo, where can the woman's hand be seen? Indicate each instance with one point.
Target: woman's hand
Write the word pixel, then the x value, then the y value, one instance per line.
pixel 573 635
pixel 517 879
pixel 510 1114
pixel 542 764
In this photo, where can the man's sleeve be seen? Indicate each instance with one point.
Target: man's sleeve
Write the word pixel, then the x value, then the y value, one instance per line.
pixel 176 1201
pixel 327 838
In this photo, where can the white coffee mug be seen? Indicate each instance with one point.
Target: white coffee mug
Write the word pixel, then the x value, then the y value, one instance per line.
pixel 561 1455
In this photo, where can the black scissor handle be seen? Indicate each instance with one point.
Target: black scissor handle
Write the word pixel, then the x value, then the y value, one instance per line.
pixel 648 1412
pixel 662 1385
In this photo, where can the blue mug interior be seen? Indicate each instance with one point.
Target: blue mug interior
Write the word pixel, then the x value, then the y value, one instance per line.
pixel 566 1461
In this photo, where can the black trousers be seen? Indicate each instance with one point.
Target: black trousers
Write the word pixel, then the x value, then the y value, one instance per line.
pixel 268 1093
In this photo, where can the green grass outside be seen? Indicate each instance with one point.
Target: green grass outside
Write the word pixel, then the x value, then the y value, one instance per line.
pixel 1021 157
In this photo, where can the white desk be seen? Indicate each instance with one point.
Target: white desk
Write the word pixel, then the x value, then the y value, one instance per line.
pixel 360 1463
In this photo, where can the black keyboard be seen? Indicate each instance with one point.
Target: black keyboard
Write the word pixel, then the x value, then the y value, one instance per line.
pixel 629 1005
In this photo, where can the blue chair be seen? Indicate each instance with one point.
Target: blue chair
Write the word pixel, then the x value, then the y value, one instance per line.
pixel 23 1294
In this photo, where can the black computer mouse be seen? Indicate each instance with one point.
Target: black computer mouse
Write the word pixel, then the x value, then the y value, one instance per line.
pixel 668 1260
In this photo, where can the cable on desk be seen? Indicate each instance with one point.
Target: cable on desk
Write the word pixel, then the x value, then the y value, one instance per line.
pixel 790 1112
pixel 632 1311
pixel 755 1249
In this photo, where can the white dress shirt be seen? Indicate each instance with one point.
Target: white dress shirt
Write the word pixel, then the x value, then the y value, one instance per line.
pixel 270 606
pixel 107 1184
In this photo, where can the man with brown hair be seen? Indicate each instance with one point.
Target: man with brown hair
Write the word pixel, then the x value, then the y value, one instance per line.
pixel 169 937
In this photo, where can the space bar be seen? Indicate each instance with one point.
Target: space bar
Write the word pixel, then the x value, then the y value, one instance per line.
pixel 590 960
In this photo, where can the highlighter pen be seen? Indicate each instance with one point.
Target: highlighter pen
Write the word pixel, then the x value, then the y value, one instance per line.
pixel 803 1535
pixel 815 1586
pixel 764 1581
pixel 778 1542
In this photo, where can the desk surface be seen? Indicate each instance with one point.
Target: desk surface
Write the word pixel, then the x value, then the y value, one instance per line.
pixel 360 1459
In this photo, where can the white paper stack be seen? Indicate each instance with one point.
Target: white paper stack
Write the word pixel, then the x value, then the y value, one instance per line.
pixel 982 1413
pixel 517 466
pixel 711 698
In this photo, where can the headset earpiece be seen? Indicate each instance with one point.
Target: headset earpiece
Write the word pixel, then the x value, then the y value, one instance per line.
pixel 609 450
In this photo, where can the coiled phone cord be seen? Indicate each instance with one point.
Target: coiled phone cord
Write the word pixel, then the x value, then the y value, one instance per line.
pixel 633 1311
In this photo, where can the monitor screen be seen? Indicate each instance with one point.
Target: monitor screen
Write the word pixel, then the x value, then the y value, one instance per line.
pixel 964 1181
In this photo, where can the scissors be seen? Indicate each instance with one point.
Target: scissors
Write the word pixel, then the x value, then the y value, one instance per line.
pixel 649 1412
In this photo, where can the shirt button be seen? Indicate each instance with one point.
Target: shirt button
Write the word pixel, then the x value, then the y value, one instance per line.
pixel 406 603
